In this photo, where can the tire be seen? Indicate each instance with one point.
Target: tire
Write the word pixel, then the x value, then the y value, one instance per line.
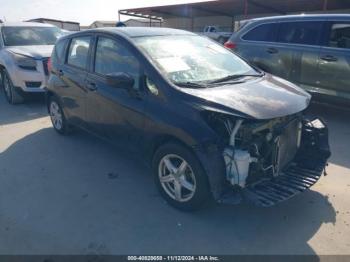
pixel 192 179
pixel 12 95
pixel 57 117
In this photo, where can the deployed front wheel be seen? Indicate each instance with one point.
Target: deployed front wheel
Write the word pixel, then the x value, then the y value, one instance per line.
pixel 180 177
pixel 12 95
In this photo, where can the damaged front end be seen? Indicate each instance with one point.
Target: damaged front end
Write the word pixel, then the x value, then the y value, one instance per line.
pixel 269 161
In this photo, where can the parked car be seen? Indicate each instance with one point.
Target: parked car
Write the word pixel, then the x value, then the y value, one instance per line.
pixel 216 33
pixel 312 51
pixel 209 123
pixel 24 51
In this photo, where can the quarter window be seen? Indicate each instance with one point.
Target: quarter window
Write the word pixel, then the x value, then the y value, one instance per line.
pixel 78 51
pixel 265 32
pixel 340 35
pixel 306 33
pixel 59 51
pixel 114 57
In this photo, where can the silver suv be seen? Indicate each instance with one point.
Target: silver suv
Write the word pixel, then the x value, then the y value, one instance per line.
pixel 312 51
pixel 24 51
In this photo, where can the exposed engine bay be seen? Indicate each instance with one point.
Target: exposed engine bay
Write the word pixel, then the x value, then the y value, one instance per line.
pixel 262 149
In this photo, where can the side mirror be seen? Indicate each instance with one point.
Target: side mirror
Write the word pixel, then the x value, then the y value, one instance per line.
pixel 121 80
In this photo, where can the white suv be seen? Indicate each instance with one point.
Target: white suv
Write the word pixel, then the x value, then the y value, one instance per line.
pixel 24 52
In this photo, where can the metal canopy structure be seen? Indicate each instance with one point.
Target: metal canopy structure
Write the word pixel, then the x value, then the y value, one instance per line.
pixel 232 8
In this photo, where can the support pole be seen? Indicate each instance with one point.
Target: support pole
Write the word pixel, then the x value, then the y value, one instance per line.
pixel 192 20
pixel 325 5
pixel 245 9
pixel 233 24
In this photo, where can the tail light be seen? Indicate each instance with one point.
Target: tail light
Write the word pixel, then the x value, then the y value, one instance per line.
pixel 230 45
pixel 49 65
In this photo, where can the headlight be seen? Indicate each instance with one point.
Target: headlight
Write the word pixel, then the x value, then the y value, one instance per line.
pixel 25 62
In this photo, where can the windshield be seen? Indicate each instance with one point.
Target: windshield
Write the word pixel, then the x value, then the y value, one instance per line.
pixel 25 35
pixel 192 58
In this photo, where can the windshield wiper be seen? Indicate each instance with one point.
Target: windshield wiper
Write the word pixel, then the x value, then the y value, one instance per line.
pixel 189 84
pixel 233 77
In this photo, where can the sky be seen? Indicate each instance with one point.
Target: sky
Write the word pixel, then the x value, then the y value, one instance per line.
pixel 83 11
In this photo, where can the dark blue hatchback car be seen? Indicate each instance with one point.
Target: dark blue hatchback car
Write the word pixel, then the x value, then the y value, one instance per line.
pixel 209 124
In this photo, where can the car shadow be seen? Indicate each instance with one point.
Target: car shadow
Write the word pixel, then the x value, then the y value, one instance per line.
pixel 34 107
pixel 79 195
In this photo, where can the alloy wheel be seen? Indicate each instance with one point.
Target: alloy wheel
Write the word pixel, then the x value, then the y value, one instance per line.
pixel 7 87
pixel 56 115
pixel 177 178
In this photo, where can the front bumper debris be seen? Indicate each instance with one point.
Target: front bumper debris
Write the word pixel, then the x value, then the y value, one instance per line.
pixel 304 171
pixel 291 182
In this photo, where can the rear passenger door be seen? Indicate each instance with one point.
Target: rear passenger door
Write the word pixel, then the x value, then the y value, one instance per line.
pixel 258 47
pixel 334 63
pixel 73 74
pixel 298 50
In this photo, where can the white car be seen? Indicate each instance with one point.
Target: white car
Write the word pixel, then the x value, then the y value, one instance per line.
pixel 24 52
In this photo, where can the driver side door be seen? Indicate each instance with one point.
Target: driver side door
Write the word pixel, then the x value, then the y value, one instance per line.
pixel 114 112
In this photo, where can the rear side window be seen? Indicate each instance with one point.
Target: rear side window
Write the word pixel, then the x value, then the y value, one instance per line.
pixel 306 33
pixel 78 51
pixel 265 32
pixel 340 35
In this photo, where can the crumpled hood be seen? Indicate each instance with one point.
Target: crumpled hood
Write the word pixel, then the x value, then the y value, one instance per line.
pixel 264 98
pixel 35 51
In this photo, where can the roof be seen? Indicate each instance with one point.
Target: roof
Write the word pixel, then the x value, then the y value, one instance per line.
pixel 137 31
pixel 25 24
pixel 105 22
pixel 233 8
pixel 145 31
pixel 53 20
pixel 140 20
pixel 302 16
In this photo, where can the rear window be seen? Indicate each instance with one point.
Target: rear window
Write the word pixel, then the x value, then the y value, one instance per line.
pixel 30 35
pixel 306 33
pixel 79 51
pixel 340 35
pixel 265 32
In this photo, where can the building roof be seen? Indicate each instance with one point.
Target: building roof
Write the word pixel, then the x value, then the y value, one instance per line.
pixel 233 8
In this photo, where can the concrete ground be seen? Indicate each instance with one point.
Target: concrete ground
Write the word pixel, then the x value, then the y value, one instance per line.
pixel 79 195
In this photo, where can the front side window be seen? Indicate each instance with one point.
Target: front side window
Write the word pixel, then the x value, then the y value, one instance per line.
pixel 191 58
pixel 114 57
pixel 306 33
pixel 264 32
pixel 25 35
pixel 340 35
pixel 78 51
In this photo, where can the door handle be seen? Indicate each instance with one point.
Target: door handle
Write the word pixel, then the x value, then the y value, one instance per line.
pixel 272 50
pixel 91 86
pixel 329 58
